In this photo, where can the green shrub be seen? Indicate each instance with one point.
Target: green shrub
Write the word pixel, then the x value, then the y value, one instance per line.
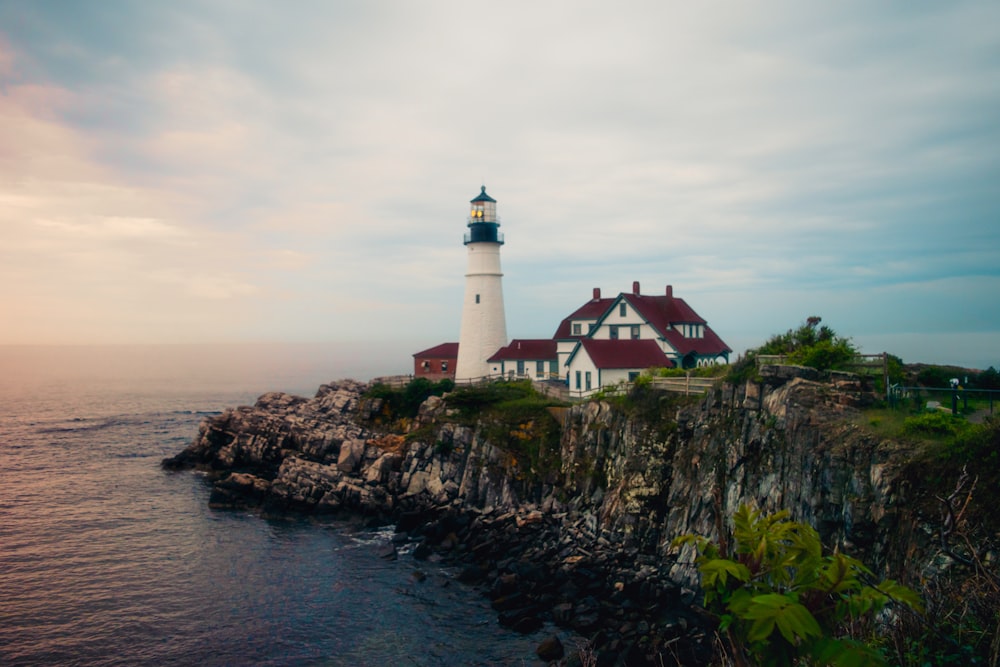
pixel 810 345
pixel 824 354
pixel 780 602
pixel 934 423
pixel 405 402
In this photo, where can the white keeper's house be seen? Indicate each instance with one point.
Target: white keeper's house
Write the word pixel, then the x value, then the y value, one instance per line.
pixel 603 342
pixel 608 340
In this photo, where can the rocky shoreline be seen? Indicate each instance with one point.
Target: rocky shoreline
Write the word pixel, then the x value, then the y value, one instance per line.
pixel 585 545
pixel 536 562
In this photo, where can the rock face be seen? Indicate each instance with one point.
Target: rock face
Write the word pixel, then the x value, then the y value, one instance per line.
pixel 586 545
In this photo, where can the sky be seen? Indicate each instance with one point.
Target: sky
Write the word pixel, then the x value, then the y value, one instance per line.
pixel 258 172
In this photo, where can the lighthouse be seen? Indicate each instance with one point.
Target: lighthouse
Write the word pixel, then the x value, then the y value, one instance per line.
pixel 484 326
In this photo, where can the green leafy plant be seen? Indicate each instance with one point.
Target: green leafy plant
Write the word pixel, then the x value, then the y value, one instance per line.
pixel 781 602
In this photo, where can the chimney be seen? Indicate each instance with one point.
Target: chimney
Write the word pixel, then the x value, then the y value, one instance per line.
pixel 670 291
pixel 635 287
pixel 597 293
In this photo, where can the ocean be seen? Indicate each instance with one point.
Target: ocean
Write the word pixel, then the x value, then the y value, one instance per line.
pixel 105 559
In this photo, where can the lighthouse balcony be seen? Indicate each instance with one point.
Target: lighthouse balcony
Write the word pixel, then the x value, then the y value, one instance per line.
pixel 483 235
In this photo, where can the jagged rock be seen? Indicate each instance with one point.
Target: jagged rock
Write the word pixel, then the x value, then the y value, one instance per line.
pixel 588 546
pixel 351 453
pixel 550 648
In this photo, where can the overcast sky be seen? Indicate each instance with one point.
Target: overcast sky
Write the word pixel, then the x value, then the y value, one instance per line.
pixel 220 171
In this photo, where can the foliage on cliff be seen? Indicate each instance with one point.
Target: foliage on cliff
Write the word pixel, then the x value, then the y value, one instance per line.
pixel 781 602
pixel 513 416
pixel 405 402
pixel 812 345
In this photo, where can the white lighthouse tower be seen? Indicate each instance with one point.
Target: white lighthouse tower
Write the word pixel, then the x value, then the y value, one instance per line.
pixel 484 326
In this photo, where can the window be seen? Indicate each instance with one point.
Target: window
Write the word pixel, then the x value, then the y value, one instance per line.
pixel 578 379
pixel 621 309
pixel 613 330
pixel 588 380
pixel 591 327
pixel 539 368
pixel 554 368
pixel 633 376
pixel 577 329
pixel 635 332
pixel 520 366
pixel 425 365
pixel 477 298
pixel 444 366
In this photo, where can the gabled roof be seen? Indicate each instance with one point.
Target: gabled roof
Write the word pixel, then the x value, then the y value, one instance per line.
pixel 607 354
pixel 709 344
pixel 537 349
pixel 442 351
pixel 592 310
pixel 663 312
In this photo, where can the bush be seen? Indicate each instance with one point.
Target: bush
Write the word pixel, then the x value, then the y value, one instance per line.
pixel 406 402
pixel 988 379
pixel 810 345
pixel 935 423
pixel 780 602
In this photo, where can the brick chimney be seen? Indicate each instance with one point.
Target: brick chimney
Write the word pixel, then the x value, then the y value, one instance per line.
pixel 635 287
pixel 670 291
pixel 597 293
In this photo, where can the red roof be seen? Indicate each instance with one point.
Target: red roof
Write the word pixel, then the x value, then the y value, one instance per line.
pixel 592 310
pixel 442 351
pixel 527 349
pixel 664 311
pixel 624 353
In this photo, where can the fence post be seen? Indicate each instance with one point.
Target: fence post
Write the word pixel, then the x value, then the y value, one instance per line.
pixel 885 373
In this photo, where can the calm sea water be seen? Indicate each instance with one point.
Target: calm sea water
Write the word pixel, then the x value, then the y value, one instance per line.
pixel 105 559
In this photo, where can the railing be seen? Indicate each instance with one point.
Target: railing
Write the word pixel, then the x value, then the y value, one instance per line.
pixel 686 385
pixel 952 399
pixel 394 381
pixel 861 361
pixel 482 237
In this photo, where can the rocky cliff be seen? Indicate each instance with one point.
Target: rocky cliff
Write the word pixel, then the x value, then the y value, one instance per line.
pixel 583 537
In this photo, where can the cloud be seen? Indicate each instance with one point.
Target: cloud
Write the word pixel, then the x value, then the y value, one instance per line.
pixel 267 171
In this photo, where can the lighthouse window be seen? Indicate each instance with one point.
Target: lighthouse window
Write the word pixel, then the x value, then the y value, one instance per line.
pixel 477 298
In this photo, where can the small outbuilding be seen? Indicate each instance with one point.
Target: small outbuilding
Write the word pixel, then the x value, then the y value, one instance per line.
pixel 436 363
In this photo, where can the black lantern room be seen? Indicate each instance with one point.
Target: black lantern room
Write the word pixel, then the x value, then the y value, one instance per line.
pixel 483 221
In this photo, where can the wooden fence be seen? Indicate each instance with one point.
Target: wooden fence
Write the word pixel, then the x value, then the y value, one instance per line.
pixel 862 362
